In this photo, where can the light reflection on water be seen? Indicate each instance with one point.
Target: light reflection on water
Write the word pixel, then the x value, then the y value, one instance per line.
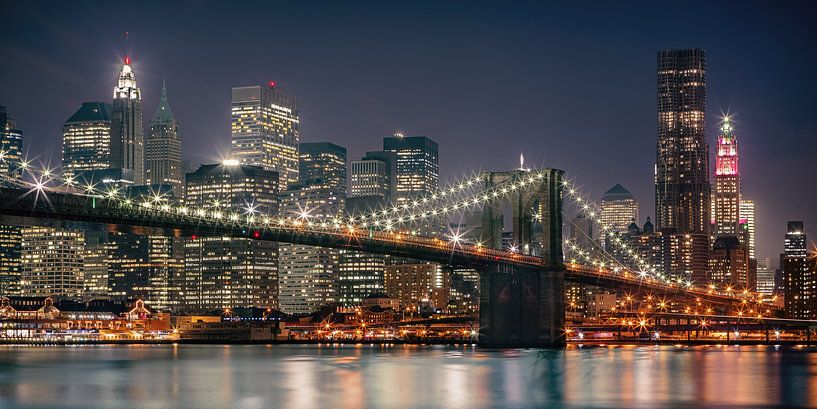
pixel 299 376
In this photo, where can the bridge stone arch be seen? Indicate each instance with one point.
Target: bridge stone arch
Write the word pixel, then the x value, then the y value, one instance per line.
pixel 536 214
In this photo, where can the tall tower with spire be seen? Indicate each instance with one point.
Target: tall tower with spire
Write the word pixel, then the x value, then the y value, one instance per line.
pixel 127 137
pixel 727 182
pixel 163 149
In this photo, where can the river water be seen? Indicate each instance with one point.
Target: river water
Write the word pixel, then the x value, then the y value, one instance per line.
pixel 373 376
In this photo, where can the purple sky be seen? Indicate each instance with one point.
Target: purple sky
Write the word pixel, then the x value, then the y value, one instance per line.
pixel 573 86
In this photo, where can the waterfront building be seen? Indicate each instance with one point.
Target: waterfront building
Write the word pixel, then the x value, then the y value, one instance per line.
pixel 95 266
pixel 618 209
pixel 682 188
pixel 230 272
pixel 163 149
pixel 417 169
pixel 11 145
pixel 266 130
pixel 86 139
pixel 359 275
pixel 144 267
pixel 127 137
pixel 418 285
pixel 10 242
pixel 799 274
pixel 51 262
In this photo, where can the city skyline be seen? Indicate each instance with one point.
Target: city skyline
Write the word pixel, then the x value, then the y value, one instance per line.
pixel 763 162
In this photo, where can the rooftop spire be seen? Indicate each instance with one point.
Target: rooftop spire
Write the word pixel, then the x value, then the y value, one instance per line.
pixel 163 113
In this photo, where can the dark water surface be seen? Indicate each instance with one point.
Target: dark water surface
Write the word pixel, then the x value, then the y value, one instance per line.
pixel 366 376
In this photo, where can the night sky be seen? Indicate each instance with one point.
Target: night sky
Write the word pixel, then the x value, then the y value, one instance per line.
pixel 572 86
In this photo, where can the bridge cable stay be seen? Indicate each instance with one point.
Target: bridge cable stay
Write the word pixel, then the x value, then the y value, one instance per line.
pixel 43 179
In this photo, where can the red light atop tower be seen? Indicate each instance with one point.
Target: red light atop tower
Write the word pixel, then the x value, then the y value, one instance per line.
pixel 127 60
pixel 271 84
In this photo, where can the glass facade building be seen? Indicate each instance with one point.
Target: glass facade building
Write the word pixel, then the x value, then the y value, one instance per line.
pixel 11 145
pixel 417 165
pixel 163 149
pixel 266 130
pixel 86 139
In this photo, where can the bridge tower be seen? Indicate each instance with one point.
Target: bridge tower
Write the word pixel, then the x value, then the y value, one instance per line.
pixel 524 306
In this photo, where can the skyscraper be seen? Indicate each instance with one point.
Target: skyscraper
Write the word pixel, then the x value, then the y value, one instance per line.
pixel 86 139
pixel 747 224
pixel 229 272
pixel 11 146
pixel 799 274
pixel 127 137
pixel 163 149
pixel 417 165
pixel 682 190
pixel 144 267
pixel 727 183
pixel 618 209
pixel 266 130
pixel 682 160
pixel 52 262
pixel 373 184
pixel 325 161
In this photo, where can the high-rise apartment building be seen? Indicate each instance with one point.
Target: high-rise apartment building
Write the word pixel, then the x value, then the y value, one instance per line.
pixel 52 262
pixel 10 242
pixel 682 189
pixel 127 136
pixel 229 272
pixel 266 130
pixel 727 183
pixel 799 274
pixel 11 145
pixel 417 165
pixel 86 139
pixel 163 149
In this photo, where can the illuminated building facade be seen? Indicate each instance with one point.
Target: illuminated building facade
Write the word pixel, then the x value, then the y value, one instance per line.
pixel 10 243
pixel 127 136
pixel 373 183
pixel 11 145
pixel 417 284
pixel 144 267
pixel 729 264
pixel 86 139
pixel 747 224
pixel 266 130
pixel 308 274
pixel 799 274
pixel 682 189
pixel 163 149
pixel 325 161
pixel 95 266
pixel 727 183
pixel 618 210
pixel 417 165
pixel 51 262
pixel 765 277
pixel 359 275
pixel 230 272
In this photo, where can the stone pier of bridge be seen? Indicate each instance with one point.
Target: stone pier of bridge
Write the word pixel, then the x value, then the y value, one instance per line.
pixel 523 306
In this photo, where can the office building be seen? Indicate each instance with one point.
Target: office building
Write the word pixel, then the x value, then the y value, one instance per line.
pixel 51 262
pixel 729 264
pixel 325 161
pixel 86 139
pixel 765 277
pixel 373 184
pixel 799 274
pixel 230 272
pixel 266 130
pixel 95 266
pixel 359 275
pixel 127 137
pixel 11 145
pixel 727 183
pixel 163 149
pixel 618 209
pixel 418 285
pixel 144 267
pixel 747 224
pixel 417 165
pixel 10 243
